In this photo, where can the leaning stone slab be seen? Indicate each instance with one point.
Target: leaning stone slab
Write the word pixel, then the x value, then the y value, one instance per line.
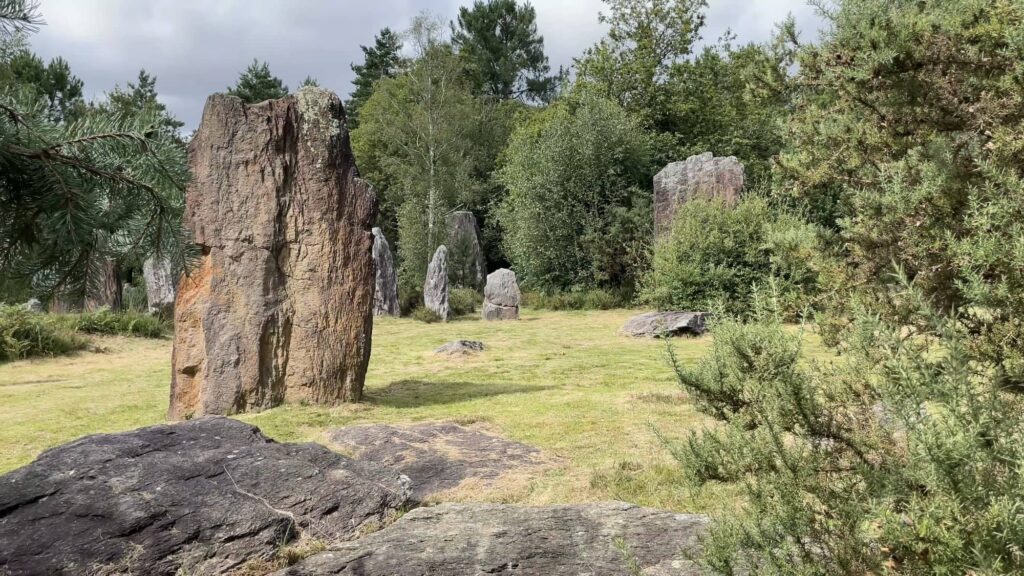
pixel 385 294
pixel 435 289
pixel 701 176
pixel 440 456
pixel 460 348
pixel 197 497
pixel 666 324
pixel 280 306
pixel 501 296
pixel 604 539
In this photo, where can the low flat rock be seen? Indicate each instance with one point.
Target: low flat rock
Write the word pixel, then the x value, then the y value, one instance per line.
pixel 666 324
pixel 460 348
pixel 604 539
pixel 198 497
pixel 440 456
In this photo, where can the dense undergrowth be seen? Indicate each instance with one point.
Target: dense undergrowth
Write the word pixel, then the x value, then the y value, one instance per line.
pixel 25 334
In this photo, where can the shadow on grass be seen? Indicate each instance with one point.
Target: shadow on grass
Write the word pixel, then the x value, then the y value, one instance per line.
pixel 415 393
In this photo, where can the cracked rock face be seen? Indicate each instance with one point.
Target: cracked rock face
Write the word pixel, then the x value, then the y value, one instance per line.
pixel 701 176
pixel 435 288
pixel 501 296
pixel 605 539
pixel 280 306
pixel 385 294
pixel 197 497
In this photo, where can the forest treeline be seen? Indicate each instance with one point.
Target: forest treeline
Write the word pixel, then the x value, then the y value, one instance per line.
pixel 884 206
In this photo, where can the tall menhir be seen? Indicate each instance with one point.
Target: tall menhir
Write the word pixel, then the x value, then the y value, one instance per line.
pixel 280 306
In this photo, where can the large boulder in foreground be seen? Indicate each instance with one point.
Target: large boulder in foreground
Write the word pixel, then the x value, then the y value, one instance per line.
pixel 441 456
pixel 606 539
pixel 385 294
pixel 435 288
pixel 666 324
pixel 159 280
pixel 198 497
pixel 501 296
pixel 702 176
pixel 280 306
pixel 466 265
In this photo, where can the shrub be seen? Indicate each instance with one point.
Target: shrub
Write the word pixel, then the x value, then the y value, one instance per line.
pixel 24 334
pixel 716 257
pixel 903 456
pixel 577 300
pixel 410 297
pixel 464 301
pixel 424 314
pixel 105 321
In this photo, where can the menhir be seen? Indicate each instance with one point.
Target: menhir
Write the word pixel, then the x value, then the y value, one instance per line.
pixel 280 306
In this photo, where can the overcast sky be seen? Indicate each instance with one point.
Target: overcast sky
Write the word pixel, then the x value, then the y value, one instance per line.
pixel 197 47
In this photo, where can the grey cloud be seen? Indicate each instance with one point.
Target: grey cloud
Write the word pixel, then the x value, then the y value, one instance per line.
pixel 197 47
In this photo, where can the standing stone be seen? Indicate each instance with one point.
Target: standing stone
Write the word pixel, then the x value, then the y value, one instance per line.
pixel 385 295
pixel 159 285
pixel 466 266
pixel 34 305
pixel 280 306
pixel 435 289
pixel 501 296
pixel 702 176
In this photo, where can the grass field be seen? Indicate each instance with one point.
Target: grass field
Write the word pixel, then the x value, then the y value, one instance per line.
pixel 563 381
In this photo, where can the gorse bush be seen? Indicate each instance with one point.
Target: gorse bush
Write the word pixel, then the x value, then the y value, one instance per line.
pixel 903 456
pixel 24 334
pixel 105 321
pixel 716 256
pixel 464 301
pixel 595 299
pixel 424 314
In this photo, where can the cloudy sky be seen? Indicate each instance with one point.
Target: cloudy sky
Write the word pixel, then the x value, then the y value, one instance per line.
pixel 196 47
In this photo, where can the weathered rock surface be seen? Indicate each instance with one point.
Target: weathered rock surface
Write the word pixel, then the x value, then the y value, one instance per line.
pixel 439 456
pixel 501 296
pixel 159 285
pixel 385 295
pixel 702 176
pixel 602 539
pixel 34 305
pixel 197 497
pixel 460 348
pixel 435 289
pixel 281 304
pixel 466 264
pixel 666 324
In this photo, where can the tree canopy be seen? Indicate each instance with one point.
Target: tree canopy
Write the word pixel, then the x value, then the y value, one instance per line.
pixel 257 84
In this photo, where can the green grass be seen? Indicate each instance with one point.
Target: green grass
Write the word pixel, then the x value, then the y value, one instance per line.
pixel 563 381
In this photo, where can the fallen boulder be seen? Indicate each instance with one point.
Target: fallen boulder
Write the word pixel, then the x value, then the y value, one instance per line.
pixel 701 176
pixel 435 289
pixel 604 539
pixel 460 348
pixel 666 324
pixel 280 305
pixel 385 294
pixel 439 456
pixel 197 497
pixel 501 296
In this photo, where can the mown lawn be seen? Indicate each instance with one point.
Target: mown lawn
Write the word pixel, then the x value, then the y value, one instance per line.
pixel 563 381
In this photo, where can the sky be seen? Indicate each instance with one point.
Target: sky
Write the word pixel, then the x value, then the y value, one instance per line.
pixel 198 47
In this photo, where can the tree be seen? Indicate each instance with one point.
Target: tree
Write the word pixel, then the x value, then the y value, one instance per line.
pixel 578 210
pixel 504 54
pixel 309 81
pixel 54 82
pixel 257 84
pixel 140 98
pixel 414 143
pixel 645 39
pixel 382 60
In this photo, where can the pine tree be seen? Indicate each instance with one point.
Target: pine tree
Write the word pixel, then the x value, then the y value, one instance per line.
pixel 140 97
pixel 504 53
pixel 257 84
pixel 382 60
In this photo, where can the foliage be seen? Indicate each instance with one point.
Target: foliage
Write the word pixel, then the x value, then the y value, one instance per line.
pixel 578 208
pixel 52 83
pixel 105 321
pixel 382 60
pixel 504 53
pixel 717 256
pixel 463 301
pixel 593 299
pixel 424 314
pixel 907 136
pixel 141 97
pixel 25 334
pixel 903 456
pixel 257 84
